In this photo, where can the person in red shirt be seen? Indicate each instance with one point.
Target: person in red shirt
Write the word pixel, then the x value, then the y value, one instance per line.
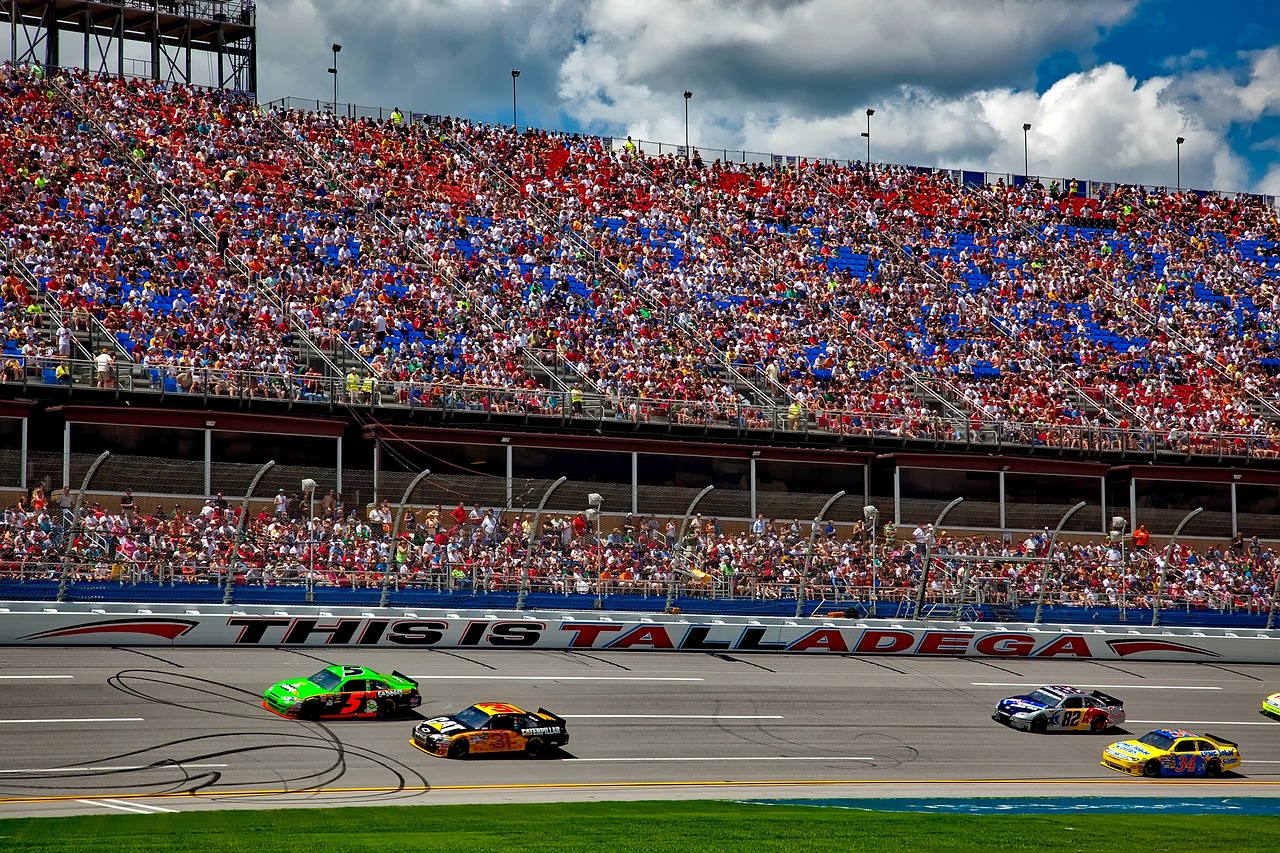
pixel 459 514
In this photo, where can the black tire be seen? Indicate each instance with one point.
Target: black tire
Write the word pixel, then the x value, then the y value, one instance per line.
pixel 387 709
pixel 1039 725
pixel 1151 768
pixel 459 748
pixel 1213 768
pixel 310 711
pixel 534 748
pixel 1098 724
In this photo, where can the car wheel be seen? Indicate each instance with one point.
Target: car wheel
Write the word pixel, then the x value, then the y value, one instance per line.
pixel 310 710
pixel 1098 724
pixel 386 709
pixel 1039 725
pixel 534 748
pixel 460 748
pixel 1151 768
pixel 1213 768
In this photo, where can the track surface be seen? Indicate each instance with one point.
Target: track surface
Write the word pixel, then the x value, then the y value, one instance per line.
pixel 154 730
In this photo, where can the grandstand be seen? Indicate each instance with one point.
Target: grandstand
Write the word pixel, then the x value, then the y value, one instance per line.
pixel 186 264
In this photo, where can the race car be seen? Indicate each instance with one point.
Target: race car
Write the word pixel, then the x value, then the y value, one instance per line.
pixel 1060 709
pixel 343 692
pixel 1271 706
pixel 489 727
pixel 1173 752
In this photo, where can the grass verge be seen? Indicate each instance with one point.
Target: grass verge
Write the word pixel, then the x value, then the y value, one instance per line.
pixel 652 827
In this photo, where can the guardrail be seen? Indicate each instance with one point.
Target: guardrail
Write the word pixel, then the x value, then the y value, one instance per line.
pixel 519 401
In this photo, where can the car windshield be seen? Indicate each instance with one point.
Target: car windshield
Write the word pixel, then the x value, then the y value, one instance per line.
pixel 1043 697
pixel 1157 740
pixel 325 680
pixel 472 718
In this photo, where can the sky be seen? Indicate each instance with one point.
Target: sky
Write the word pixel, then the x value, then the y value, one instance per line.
pixel 1106 85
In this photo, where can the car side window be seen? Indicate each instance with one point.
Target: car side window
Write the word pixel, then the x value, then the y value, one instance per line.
pixel 500 722
pixel 377 685
pixel 355 685
pixel 1073 702
pixel 1185 746
pixel 1203 745
pixel 1090 702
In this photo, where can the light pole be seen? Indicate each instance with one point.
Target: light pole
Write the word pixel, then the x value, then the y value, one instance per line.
pixel 867 135
pixel 1118 526
pixel 515 72
pixel 1168 555
pixel 1026 157
pixel 333 69
pixel 928 546
pixel 688 155
pixel 1180 140
pixel 395 536
pixel 808 560
pixel 1048 566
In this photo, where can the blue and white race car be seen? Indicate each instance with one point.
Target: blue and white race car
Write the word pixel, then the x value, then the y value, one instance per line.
pixel 1061 709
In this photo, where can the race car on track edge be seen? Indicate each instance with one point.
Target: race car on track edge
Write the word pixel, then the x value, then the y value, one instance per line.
pixel 1060 709
pixel 491 727
pixel 343 692
pixel 1271 706
pixel 1173 752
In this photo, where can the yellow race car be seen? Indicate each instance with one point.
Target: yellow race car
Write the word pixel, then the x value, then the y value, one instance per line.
pixel 1271 706
pixel 1173 752
pixel 489 727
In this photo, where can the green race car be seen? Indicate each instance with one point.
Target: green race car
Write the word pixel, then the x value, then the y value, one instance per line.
pixel 343 692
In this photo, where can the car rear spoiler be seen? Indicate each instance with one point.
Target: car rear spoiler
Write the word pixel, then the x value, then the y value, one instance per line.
pixel 545 713
pixel 398 674
pixel 1222 740
pixel 1109 700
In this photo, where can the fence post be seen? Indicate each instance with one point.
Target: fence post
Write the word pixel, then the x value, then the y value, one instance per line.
pixel 924 566
pixel 75 524
pixel 808 560
pixel 1053 541
pixel 684 529
pixel 1168 555
pixel 533 537
pixel 244 513
pixel 395 535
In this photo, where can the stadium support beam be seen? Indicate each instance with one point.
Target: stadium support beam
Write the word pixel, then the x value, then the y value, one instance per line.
pixel 170 32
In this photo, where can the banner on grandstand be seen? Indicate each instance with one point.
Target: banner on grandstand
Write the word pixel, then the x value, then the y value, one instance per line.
pixel 630 633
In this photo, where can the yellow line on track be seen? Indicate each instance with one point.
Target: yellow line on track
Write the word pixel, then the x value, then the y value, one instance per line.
pixel 752 783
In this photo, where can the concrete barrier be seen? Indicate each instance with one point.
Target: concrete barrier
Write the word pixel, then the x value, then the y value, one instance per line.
pixel 28 623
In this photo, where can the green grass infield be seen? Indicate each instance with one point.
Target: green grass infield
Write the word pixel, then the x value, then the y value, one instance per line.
pixel 651 826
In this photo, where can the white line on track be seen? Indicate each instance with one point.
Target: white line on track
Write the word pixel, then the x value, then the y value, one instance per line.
pixel 672 716
pixel 121 806
pixel 35 676
pixel 1087 684
pixel 84 720
pixel 120 767
pixel 741 758
pixel 147 807
pixel 1205 722
pixel 555 678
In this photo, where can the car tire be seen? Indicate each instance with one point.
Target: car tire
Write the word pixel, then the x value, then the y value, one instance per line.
pixel 309 711
pixel 1213 768
pixel 534 748
pixel 386 709
pixel 1098 724
pixel 1039 725
pixel 460 748
pixel 1151 768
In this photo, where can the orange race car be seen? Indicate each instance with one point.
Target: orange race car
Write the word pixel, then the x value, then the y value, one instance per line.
pixel 489 727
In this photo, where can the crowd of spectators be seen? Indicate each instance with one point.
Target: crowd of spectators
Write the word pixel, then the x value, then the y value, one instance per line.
pixel 292 540
pixel 205 232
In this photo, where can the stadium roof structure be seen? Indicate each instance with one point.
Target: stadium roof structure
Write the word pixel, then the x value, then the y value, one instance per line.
pixel 174 30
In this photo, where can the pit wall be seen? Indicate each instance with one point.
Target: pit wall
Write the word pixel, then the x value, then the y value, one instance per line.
pixel 27 624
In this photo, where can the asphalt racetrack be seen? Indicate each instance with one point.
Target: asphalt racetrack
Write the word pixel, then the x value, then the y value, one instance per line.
pixel 115 730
